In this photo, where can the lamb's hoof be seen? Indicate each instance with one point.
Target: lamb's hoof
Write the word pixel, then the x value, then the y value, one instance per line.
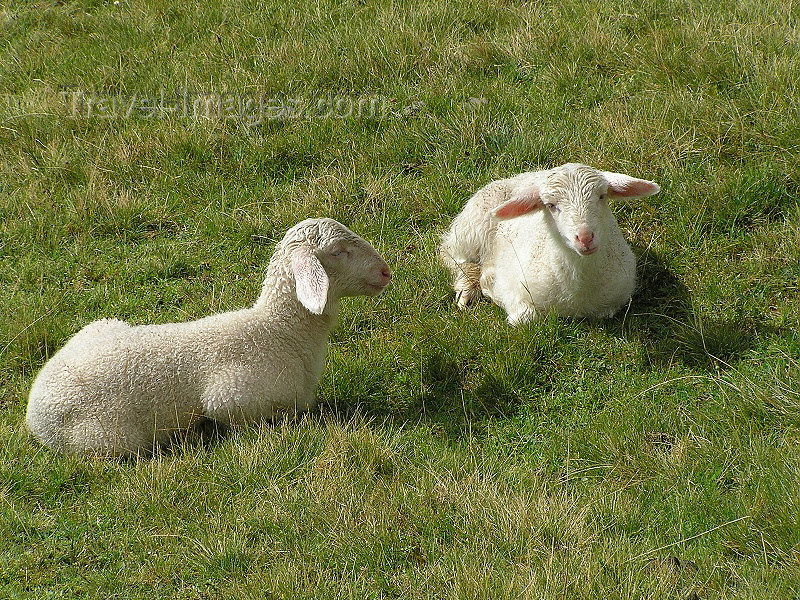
pixel 466 297
pixel 520 317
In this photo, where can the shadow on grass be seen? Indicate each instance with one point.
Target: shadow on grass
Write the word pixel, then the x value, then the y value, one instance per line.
pixel 460 396
pixel 457 392
pixel 663 319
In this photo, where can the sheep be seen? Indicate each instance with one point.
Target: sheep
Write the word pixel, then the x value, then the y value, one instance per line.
pixel 545 241
pixel 120 390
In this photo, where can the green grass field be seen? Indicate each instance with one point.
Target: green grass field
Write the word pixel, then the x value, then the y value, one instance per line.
pixel 152 153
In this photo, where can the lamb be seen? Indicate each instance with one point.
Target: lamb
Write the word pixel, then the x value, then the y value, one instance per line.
pixel 121 390
pixel 545 241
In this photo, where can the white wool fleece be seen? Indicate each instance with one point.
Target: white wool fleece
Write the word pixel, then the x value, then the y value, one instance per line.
pixel 116 389
pixel 545 241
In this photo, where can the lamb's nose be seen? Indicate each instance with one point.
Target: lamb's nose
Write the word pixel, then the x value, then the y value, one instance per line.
pixel 387 274
pixel 584 237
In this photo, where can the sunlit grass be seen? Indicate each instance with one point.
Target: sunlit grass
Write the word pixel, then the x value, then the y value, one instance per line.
pixel 653 455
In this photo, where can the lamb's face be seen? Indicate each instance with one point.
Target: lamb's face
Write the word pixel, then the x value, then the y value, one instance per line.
pixel 326 261
pixel 353 266
pixel 575 199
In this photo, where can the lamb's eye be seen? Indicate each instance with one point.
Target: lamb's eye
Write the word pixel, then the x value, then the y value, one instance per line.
pixel 338 252
pixel 602 196
pixel 553 208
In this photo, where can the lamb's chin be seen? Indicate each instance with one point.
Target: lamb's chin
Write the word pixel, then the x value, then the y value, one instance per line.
pixel 374 289
pixel 580 251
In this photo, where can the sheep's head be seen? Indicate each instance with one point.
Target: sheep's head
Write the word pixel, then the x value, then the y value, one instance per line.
pixel 576 198
pixel 330 261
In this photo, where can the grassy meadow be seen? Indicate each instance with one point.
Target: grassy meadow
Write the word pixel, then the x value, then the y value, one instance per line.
pixel 152 153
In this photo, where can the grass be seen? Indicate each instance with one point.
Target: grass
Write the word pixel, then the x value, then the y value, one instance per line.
pixel 653 455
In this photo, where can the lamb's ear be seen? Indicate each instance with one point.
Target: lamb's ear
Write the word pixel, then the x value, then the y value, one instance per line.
pixel 521 202
pixel 310 280
pixel 624 186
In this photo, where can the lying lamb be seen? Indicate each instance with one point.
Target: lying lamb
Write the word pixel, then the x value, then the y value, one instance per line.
pixel 117 389
pixel 545 241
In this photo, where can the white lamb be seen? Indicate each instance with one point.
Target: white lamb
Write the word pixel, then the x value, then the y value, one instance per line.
pixel 545 241
pixel 117 389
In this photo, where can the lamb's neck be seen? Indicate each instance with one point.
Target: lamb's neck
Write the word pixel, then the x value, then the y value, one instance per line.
pixel 278 302
pixel 580 265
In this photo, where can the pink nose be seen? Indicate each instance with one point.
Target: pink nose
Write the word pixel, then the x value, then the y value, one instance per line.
pixel 584 237
pixel 387 273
